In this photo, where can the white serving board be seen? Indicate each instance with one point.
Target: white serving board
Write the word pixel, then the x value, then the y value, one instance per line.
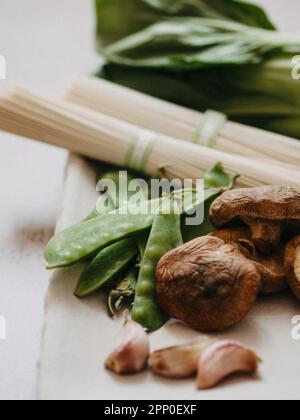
pixel 78 335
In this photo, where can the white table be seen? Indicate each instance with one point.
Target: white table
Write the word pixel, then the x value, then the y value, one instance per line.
pixel 47 44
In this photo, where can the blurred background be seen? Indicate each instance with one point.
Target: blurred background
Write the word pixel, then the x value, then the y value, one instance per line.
pixel 46 44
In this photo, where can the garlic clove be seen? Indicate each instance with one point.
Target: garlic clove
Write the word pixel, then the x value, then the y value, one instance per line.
pixel 132 353
pixel 223 359
pixel 180 361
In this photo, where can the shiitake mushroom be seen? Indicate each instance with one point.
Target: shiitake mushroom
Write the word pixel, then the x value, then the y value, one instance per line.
pixel 208 284
pixel 267 210
pixel 212 283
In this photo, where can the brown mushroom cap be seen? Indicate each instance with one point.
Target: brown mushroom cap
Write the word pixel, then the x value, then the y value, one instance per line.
pixel 270 202
pixel 292 265
pixel 208 284
pixel 266 210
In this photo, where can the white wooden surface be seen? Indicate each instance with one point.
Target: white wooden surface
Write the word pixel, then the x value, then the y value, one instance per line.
pixel 46 43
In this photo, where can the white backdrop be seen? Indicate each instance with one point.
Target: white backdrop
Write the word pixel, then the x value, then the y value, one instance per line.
pixel 47 44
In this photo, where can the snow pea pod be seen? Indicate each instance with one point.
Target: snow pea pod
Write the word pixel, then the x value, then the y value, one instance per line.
pixel 85 238
pixel 165 236
pixel 95 213
pixel 141 241
pixel 109 264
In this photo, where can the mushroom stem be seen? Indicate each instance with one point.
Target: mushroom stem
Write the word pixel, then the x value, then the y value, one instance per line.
pixel 292 265
pixel 266 235
pixel 273 276
pixel 270 267
pixel 223 359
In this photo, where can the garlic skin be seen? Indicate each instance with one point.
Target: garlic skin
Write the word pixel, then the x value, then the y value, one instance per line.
pixel 223 359
pixel 178 362
pixel 132 353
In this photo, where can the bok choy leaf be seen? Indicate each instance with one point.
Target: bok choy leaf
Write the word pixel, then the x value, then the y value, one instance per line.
pixel 204 54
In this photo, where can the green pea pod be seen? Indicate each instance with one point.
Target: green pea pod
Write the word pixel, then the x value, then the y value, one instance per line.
pixel 95 213
pixel 109 264
pixel 165 236
pixel 141 241
pixel 84 239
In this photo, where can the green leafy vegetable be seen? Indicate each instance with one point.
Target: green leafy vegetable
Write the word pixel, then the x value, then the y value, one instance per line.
pixel 217 177
pixel 141 13
pixel 188 41
pixel 214 54
pixel 192 43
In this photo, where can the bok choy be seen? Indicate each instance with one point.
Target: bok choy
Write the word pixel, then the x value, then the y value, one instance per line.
pixel 220 54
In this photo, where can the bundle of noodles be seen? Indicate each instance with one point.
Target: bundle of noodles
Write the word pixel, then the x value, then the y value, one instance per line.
pixel 210 129
pixel 112 140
